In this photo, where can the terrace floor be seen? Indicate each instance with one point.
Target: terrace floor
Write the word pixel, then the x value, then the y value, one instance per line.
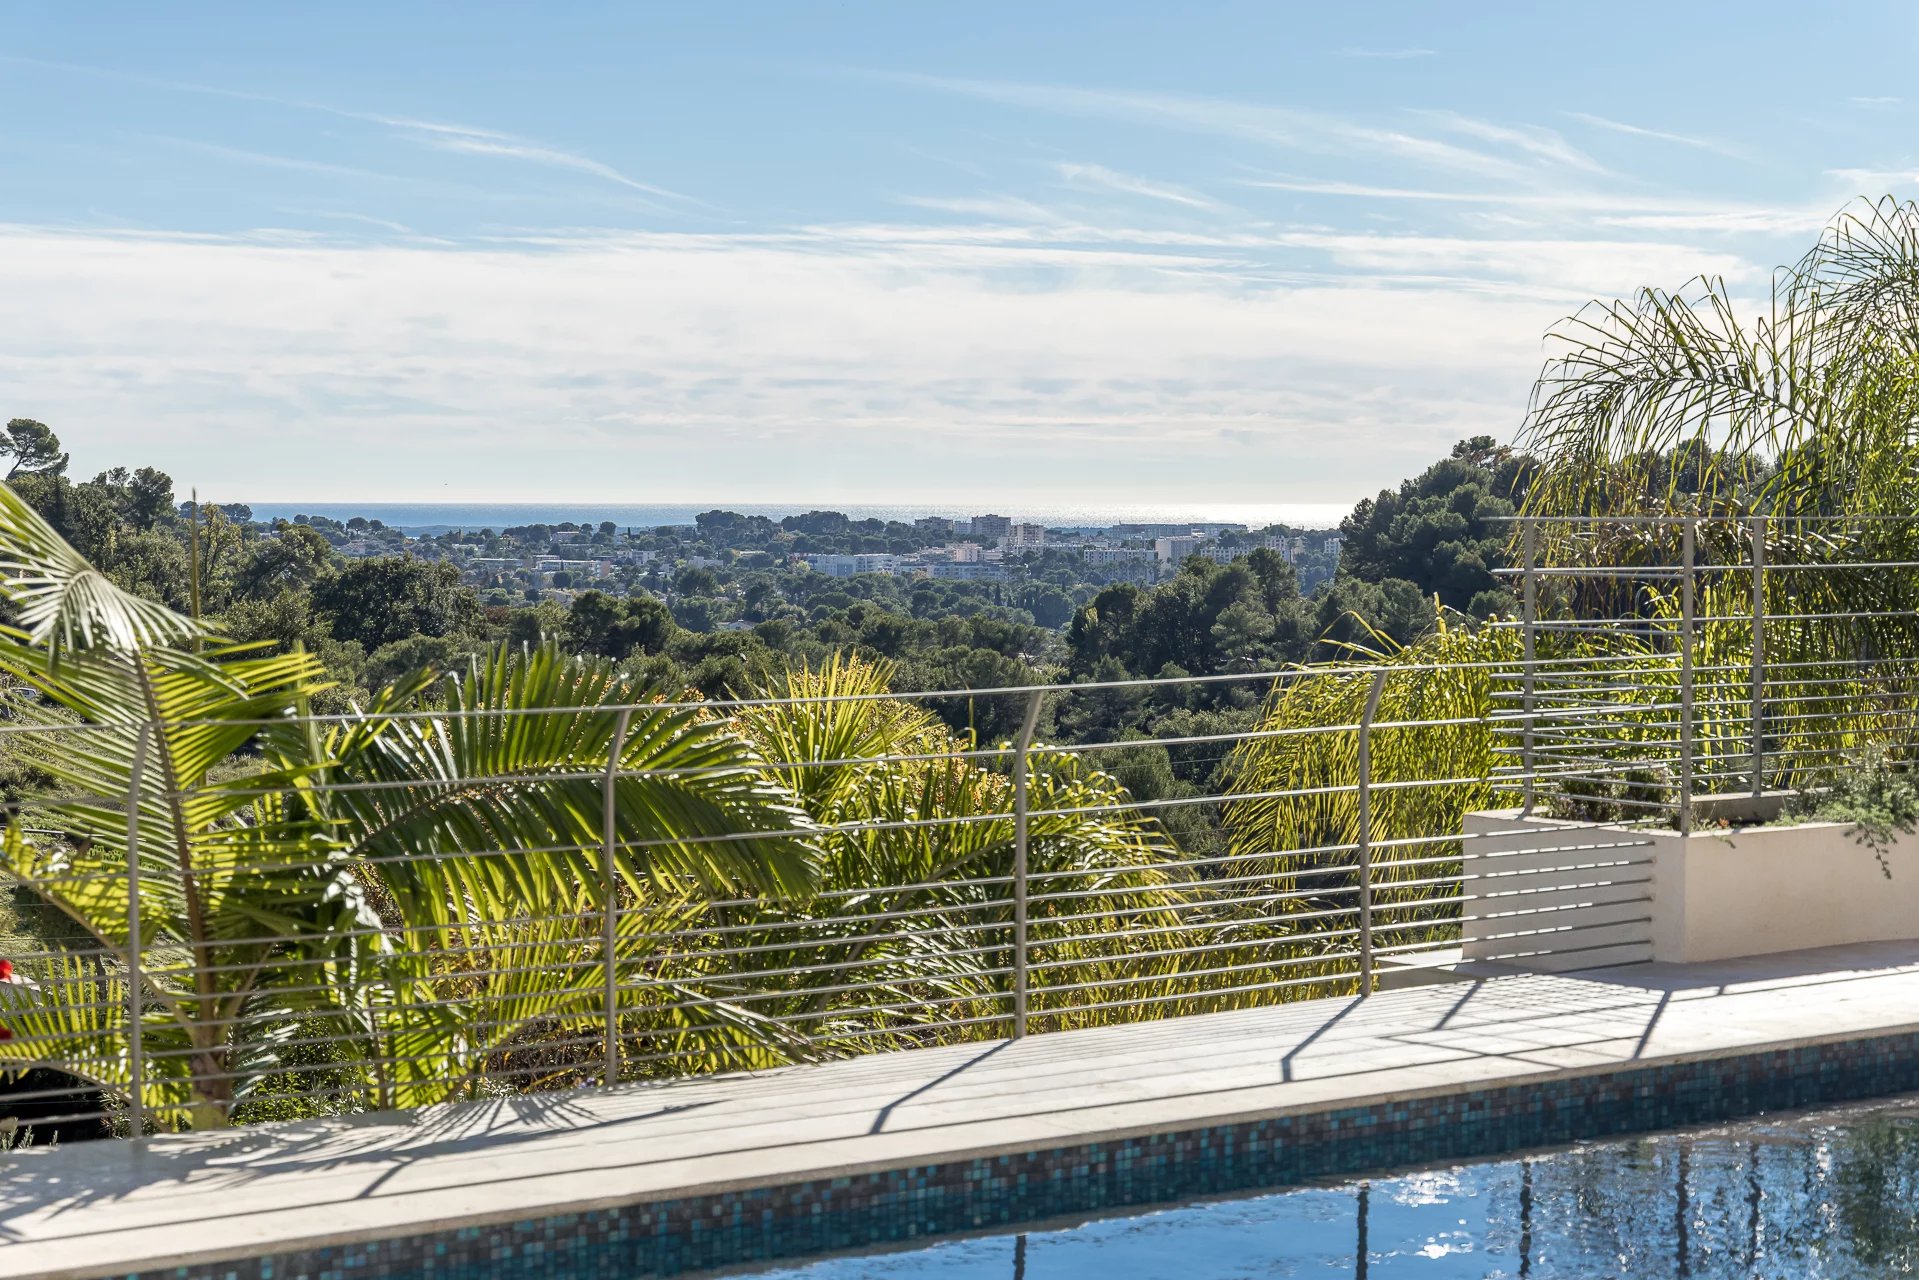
pixel 105 1208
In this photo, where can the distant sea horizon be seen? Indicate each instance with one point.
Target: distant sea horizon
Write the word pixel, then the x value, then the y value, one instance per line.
pixel 436 517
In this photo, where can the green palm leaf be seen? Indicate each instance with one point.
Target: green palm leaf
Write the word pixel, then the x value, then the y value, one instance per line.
pixel 63 603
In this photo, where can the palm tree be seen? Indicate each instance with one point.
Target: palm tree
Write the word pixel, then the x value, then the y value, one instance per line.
pixel 486 825
pixel 1671 406
pixel 910 939
pixel 421 888
pixel 1804 416
pixel 1805 410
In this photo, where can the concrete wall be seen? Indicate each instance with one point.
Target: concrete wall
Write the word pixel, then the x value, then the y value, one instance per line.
pixel 1715 895
pixel 1547 895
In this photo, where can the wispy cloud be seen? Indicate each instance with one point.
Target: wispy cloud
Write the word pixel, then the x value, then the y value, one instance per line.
pixel 1657 135
pixel 241 155
pixel 1396 55
pixel 467 139
pixel 1274 126
pixel 1600 208
pixel 1533 140
pixel 365 220
pixel 996 208
pixel 1097 175
pixel 1875 101
pixel 1873 183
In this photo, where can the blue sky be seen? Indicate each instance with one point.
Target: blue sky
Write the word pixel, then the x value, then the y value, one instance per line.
pixel 883 252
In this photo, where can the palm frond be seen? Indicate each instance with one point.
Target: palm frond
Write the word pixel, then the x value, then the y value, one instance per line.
pixel 64 604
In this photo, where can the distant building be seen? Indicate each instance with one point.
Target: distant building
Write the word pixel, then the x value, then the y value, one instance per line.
pixel 554 564
pixel 937 526
pixel 1332 544
pixel 967 571
pixel 841 566
pixel 1024 535
pixel 1170 551
pixel 990 526
pixel 1116 555
pixel 1207 529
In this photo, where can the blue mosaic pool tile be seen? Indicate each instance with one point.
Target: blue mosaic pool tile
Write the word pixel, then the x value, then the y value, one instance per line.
pixel 673 1237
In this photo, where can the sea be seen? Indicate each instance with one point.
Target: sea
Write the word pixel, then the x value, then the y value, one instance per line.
pixel 439 517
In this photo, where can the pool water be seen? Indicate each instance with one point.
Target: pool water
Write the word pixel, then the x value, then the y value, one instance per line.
pixel 1826 1194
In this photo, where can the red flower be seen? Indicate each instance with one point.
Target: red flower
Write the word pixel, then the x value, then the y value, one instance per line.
pixel 6 971
pixel 5 1035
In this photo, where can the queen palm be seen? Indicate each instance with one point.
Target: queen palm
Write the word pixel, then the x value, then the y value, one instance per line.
pixel 1672 404
pixel 1804 410
pixel 1804 415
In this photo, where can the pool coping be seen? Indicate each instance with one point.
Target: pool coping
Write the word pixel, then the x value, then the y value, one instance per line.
pixel 710 1223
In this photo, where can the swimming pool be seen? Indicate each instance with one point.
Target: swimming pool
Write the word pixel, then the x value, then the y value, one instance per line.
pixel 1831 1193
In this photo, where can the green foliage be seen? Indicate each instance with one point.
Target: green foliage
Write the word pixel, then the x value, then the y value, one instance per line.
pixel 236 878
pixel 382 599
pixel 34 448
pixel 1295 806
pixel 1208 618
pixel 1677 401
pixel 1443 531
pixel 597 623
pixel 1875 794
pixel 61 601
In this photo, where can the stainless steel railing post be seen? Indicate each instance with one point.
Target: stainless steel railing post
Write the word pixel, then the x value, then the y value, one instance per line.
pixel 136 1004
pixel 610 905
pixel 1687 552
pixel 1758 525
pixel 1364 859
pixel 1529 624
pixel 1021 976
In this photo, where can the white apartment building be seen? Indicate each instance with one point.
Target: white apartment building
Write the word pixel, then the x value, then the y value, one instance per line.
pixel 553 564
pixel 1170 551
pixel 967 571
pixel 1116 555
pixel 1024 535
pixel 842 566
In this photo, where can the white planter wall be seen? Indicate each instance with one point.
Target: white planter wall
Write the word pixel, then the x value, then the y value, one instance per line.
pixel 1538 894
pixel 1548 895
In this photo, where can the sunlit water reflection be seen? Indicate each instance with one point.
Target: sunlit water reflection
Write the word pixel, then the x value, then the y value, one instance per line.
pixel 1825 1194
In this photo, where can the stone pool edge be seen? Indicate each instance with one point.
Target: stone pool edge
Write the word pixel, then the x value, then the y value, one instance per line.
pixel 748 1221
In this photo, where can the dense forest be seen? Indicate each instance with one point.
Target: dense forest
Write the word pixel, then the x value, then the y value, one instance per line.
pixel 370 616
pixel 374 616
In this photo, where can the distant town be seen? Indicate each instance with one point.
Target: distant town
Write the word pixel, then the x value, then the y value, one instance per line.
pixel 540 562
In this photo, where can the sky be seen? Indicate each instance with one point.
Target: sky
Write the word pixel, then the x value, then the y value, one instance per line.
pixel 882 252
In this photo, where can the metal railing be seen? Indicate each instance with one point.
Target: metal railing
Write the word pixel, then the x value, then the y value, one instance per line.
pixel 1303 833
